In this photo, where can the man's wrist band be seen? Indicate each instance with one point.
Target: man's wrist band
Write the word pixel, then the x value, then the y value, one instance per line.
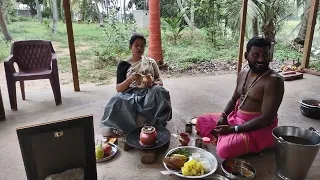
pixel 236 128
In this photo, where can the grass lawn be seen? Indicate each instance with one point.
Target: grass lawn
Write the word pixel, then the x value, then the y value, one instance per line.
pixel 99 49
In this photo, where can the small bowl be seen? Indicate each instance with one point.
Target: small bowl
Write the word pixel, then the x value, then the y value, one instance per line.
pixel 238 169
pixel 206 166
pixel 310 108
pixel 196 156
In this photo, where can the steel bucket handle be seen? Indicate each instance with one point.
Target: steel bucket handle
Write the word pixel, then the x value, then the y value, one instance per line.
pixel 281 140
pixel 314 130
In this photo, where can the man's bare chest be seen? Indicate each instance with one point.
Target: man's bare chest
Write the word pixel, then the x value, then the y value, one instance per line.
pixel 252 88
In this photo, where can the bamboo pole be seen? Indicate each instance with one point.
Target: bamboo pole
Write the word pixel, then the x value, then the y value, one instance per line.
pixel 67 15
pixel 309 34
pixel 242 34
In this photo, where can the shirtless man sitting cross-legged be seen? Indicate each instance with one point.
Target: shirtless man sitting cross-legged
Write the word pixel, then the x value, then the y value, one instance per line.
pixel 245 125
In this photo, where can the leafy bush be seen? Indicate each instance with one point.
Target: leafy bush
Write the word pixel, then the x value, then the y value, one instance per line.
pixel 116 46
pixel 47 13
pixel 315 64
pixel 46 22
pixel 174 26
pixel 21 19
pixel 284 52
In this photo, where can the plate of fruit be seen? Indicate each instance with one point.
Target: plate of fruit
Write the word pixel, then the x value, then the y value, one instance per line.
pixel 105 151
pixel 190 162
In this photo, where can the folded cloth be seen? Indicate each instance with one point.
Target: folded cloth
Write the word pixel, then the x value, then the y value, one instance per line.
pixel 71 174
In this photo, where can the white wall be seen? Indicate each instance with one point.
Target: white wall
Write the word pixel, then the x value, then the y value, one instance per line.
pixel 141 17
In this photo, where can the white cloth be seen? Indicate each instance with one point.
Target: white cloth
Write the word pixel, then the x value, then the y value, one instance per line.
pixel 71 174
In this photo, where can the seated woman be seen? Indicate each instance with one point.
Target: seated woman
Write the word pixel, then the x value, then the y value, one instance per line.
pixel 140 92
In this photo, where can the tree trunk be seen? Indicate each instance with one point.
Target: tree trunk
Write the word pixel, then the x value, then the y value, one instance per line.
pixel 269 30
pixel 83 11
pixel 192 13
pixel 61 10
pixel 45 4
pixel 3 25
pixel 39 15
pixel 99 14
pixel 54 16
pixel 303 29
pixel 124 11
pixel 155 49
pixel 255 29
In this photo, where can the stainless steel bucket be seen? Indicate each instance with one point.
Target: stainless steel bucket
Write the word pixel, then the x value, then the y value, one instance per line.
pixel 293 156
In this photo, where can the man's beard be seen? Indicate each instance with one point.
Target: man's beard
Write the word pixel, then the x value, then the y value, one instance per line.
pixel 260 69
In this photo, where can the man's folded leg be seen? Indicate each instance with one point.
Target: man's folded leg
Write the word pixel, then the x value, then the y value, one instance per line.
pixel 232 145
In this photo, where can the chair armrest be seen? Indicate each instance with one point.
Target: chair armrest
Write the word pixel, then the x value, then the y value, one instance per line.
pixel 54 56
pixel 54 64
pixel 8 64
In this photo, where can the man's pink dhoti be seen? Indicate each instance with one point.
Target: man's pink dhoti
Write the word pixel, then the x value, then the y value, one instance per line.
pixel 236 144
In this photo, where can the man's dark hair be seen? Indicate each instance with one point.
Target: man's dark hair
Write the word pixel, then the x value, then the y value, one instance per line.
pixel 258 42
pixel 134 37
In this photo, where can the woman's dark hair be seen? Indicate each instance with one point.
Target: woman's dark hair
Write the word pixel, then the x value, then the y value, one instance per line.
pixel 134 37
pixel 258 42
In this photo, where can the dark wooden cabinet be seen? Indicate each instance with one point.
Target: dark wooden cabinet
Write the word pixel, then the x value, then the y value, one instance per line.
pixel 2 113
pixel 58 146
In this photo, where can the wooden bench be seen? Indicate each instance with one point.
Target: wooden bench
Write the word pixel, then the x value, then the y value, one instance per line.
pixel 291 75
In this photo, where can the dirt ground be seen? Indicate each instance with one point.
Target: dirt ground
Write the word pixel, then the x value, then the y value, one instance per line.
pixel 206 94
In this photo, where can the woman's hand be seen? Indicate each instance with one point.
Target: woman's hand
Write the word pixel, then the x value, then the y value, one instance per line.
pixel 149 84
pixel 224 129
pixel 148 81
pixel 131 78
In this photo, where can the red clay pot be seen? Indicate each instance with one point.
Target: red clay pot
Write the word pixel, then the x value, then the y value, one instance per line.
pixel 148 135
pixel 184 139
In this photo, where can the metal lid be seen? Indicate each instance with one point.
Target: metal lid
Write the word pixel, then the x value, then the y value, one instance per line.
pixel 206 140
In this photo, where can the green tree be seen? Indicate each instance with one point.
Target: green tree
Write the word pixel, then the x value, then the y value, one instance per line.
pixel 168 8
pixel 31 4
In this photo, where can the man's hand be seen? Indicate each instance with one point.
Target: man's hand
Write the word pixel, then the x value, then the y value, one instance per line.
pixel 222 121
pixel 224 129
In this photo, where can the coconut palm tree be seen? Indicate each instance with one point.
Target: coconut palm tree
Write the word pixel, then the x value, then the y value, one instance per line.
pixel 155 47
pixel 304 22
pixel 234 12
pixel 266 13
pixel 273 12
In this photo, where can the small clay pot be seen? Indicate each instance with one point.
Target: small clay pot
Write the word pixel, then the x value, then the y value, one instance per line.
pixel 184 139
pixel 148 136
